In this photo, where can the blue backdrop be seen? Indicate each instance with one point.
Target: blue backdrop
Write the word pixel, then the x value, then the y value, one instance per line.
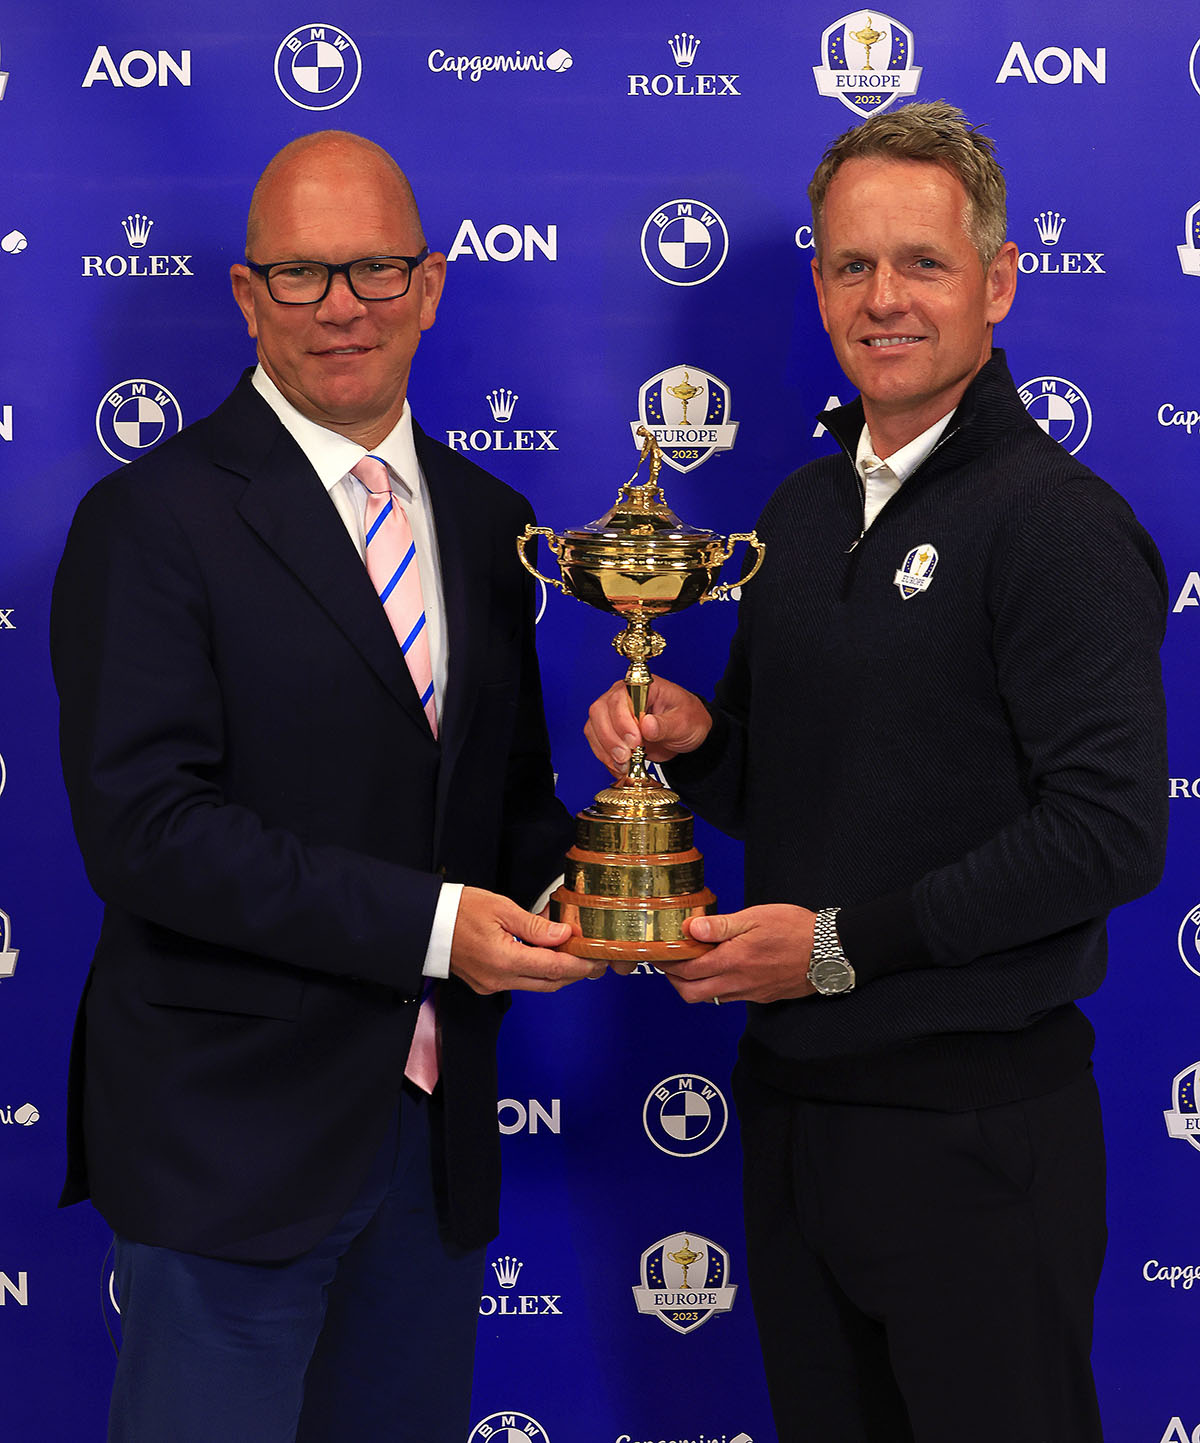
pixel 621 191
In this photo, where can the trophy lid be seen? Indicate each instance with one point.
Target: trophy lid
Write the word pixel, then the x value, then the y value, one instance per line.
pixel 641 511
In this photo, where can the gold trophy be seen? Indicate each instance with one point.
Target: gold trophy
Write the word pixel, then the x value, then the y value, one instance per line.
pixel 633 875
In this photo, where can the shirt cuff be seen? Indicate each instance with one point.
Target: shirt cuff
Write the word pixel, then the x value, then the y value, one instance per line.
pixel 441 934
pixel 541 902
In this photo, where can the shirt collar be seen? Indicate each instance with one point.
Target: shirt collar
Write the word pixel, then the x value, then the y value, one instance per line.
pixel 904 462
pixel 330 455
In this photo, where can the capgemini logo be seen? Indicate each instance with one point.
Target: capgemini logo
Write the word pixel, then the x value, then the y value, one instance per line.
pixel 1049 226
pixel 502 403
pixel 507 1270
pixel 137 230
pixel 683 48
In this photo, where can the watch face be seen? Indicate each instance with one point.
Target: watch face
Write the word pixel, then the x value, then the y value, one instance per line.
pixel 831 975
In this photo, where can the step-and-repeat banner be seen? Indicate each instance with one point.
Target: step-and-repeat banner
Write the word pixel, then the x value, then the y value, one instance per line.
pixel 620 191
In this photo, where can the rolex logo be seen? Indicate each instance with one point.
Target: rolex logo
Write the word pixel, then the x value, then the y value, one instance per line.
pixel 502 403
pixel 137 230
pixel 1049 226
pixel 683 48
pixel 507 1270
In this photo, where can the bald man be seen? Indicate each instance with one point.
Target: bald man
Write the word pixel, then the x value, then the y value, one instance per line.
pixel 315 823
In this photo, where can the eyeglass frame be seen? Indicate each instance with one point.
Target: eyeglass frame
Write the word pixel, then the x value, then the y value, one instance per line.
pixel 343 269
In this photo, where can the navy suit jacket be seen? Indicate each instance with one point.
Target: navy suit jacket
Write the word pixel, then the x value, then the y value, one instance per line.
pixel 262 808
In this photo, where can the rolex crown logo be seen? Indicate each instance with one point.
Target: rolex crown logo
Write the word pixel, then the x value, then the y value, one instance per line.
pixel 502 403
pixel 683 48
pixel 137 229
pixel 507 1270
pixel 1049 226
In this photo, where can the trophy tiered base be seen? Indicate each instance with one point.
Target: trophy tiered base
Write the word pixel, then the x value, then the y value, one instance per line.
pixel 633 877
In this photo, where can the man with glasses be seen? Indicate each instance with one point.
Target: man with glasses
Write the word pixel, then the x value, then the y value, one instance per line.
pixel 306 813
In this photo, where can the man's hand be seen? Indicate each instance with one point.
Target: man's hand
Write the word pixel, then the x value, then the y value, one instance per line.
pixel 761 955
pixel 488 950
pixel 676 721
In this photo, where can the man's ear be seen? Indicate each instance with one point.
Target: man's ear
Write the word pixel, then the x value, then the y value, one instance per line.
pixel 243 294
pixel 820 287
pixel 1001 282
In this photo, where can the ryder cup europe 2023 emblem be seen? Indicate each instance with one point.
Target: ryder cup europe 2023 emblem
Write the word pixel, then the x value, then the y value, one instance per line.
pixel 867 62
pixel 1189 252
pixel 685 1281
pixel 687 410
pixel 1183 1120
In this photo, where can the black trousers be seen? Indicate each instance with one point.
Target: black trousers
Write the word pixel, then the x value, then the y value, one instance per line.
pixel 925 1277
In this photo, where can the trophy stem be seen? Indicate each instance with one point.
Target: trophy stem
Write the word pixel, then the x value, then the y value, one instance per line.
pixel 638 642
pixel 637 685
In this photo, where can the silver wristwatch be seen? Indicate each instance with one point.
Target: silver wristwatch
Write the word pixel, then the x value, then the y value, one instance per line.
pixel 828 970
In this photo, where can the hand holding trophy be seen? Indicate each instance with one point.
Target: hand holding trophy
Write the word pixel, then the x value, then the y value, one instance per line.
pixel 633 875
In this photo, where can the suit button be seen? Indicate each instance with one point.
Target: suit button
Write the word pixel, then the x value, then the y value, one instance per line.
pixel 442 872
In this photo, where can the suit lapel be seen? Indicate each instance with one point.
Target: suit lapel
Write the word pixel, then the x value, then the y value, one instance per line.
pixel 286 505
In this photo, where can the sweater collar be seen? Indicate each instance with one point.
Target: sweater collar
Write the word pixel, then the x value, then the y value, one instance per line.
pixel 989 405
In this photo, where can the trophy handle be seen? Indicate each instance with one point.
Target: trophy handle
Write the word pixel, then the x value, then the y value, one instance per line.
pixel 721 591
pixel 523 540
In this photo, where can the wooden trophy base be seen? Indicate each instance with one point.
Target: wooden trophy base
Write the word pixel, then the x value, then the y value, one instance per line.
pixel 633 877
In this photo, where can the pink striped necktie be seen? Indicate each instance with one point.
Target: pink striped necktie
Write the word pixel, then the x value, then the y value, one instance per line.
pixel 392 566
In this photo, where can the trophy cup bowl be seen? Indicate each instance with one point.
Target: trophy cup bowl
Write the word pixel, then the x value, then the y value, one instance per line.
pixel 634 876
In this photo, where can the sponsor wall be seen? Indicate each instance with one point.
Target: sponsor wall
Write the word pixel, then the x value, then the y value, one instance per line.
pixel 621 195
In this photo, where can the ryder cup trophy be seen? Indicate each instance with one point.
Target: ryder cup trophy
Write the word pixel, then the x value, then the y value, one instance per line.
pixel 633 875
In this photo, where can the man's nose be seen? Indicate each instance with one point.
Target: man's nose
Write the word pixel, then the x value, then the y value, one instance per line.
pixel 340 303
pixel 888 291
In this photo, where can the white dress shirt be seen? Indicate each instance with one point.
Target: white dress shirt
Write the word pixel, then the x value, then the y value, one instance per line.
pixel 332 457
pixel 882 479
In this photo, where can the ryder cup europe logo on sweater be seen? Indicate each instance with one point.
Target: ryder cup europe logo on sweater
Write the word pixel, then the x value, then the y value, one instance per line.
pixel 1060 408
pixel 687 409
pixel 917 572
pixel 134 416
pixel 510 1427
pixel 868 62
pixel 8 953
pixel 684 242
pixel 318 67
pixel 1183 1120
pixel 685 1281
pixel 685 1115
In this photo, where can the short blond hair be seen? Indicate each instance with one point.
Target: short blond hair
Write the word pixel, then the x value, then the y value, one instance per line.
pixel 936 133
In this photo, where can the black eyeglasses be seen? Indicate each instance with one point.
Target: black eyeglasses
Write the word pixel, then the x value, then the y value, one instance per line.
pixel 374 278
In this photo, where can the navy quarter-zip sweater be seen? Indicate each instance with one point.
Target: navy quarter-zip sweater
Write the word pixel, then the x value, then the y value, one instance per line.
pixel 974 773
